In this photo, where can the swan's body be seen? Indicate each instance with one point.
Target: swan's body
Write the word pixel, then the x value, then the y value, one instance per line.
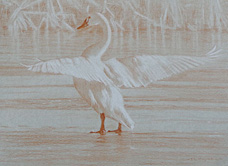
pixel 104 98
pixel 98 81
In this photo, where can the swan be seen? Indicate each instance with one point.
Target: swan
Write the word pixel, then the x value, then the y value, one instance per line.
pixel 98 82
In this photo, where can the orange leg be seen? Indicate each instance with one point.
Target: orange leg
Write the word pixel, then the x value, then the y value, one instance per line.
pixel 102 129
pixel 119 130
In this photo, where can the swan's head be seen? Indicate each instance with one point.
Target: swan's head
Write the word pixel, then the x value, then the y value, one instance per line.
pixel 92 20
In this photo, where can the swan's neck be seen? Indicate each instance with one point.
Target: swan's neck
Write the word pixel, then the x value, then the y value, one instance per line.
pixel 107 35
pixel 98 49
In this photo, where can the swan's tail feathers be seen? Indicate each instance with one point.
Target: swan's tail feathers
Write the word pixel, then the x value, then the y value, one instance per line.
pixel 215 53
pixel 125 119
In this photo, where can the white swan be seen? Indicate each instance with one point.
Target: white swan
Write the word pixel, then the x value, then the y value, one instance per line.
pixel 98 81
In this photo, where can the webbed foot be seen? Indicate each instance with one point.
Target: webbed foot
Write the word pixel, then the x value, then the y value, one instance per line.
pixel 101 132
pixel 119 130
pixel 115 131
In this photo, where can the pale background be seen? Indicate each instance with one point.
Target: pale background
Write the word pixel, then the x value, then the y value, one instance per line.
pixel 182 120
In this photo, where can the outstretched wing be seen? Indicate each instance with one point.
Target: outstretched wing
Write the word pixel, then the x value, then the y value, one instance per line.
pixel 141 70
pixel 90 70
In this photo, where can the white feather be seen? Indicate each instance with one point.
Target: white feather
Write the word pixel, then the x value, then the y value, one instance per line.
pixel 142 70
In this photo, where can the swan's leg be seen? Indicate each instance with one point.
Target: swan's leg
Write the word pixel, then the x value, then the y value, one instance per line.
pixel 102 129
pixel 119 130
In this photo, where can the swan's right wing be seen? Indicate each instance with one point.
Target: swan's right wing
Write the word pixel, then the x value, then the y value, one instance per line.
pixel 142 70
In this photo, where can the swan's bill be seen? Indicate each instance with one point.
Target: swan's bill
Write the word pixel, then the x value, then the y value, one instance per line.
pixel 85 23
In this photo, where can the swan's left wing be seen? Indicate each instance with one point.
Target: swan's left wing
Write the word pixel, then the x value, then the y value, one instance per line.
pixel 142 70
pixel 79 67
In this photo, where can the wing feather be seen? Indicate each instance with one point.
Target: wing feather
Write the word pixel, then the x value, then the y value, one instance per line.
pixel 90 70
pixel 142 70
pixel 128 72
